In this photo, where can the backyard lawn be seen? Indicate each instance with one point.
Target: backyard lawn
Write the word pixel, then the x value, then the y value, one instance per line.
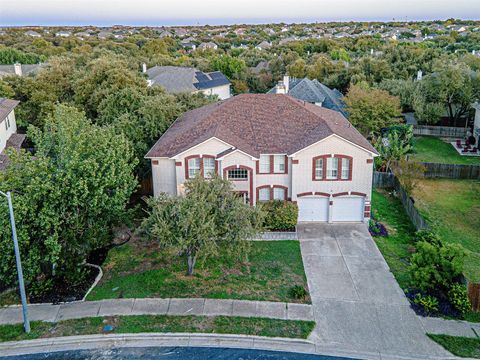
pixel 161 324
pixel 453 208
pixel 435 150
pixel 139 270
pixel 395 248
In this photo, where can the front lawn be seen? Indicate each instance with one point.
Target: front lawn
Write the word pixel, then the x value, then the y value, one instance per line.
pixel 459 346
pixel 395 248
pixel 161 324
pixel 139 270
pixel 452 207
pixel 435 150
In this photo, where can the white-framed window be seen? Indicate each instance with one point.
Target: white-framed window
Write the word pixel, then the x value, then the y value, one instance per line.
pixel 7 123
pixel 345 169
pixel 193 167
pixel 264 194
pixel 278 194
pixel 332 168
pixel 208 167
pixel 264 164
pixel 238 174
pixel 279 164
pixel 319 168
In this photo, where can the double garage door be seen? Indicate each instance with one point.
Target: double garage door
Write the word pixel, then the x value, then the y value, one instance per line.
pixel 344 209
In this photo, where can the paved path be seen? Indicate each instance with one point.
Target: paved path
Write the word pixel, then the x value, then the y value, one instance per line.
pixel 434 325
pixel 207 307
pixel 357 303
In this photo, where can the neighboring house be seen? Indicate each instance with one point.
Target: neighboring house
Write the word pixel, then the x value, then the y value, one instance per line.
pixel 8 130
pixel 176 79
pixel 19 69
pixel 311 91
pixel 82 35
pixel 271 146
pixel 208 45
pixel 63 34
pixel 105 35
pixel 33 33
pixel 264 45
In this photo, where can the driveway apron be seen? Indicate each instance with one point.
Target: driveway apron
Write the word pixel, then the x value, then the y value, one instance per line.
pixel 357 303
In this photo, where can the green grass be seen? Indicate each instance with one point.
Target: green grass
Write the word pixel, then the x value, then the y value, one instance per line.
pixel 435 150
pixel 161 324
pixel 452 207
pixel 395 248
pixel 139 271
pixel 459 346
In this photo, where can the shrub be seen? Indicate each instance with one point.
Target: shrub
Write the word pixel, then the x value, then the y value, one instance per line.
pixel 280 215
pixel 458 297
pixel 298 292
pixel 429 303
pixel 436 266
pixel 428 236
pixel 377 229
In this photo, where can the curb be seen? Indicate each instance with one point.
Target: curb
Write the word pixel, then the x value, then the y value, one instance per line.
pixel 90 342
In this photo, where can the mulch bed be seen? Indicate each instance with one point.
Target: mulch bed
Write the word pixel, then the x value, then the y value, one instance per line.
pixel 444 306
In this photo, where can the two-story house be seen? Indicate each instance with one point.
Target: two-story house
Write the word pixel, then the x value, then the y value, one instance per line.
pixel 271 146
pixel 8 129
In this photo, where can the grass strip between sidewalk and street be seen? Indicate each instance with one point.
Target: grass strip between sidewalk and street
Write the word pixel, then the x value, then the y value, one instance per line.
pixel 161 324
pixel 459 346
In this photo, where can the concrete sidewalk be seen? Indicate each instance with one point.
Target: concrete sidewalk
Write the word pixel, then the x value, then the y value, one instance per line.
pixel 441 326
pixel 206 307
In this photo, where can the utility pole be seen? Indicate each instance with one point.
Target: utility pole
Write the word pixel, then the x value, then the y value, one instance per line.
pixel 21 284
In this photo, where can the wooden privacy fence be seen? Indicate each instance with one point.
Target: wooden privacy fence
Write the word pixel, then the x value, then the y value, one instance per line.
pixel 451 171
pixel 439 131
pixel 474 295
pixel 389 180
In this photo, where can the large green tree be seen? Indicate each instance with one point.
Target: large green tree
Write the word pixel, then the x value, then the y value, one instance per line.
pixel 370 110
pixel 66 198
pixel 210 218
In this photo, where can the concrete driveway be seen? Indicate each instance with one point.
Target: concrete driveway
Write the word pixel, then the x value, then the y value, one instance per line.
pixel 358 305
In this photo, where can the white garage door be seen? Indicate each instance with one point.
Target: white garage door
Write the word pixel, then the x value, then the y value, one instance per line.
pixel 312 209
pixel 347 209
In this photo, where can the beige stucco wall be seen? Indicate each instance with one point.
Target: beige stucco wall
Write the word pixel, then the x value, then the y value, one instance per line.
pixel 361 171
pixel 4 133
pixel 164 177
pixel 223 91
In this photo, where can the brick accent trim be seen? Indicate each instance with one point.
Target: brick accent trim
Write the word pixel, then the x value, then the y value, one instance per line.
pixel 294 162
pixel 357 193
pixel 178 163
pixel 340 194
pixel 369 161
pixel 154 162
pixel 318 193
pixel 304 194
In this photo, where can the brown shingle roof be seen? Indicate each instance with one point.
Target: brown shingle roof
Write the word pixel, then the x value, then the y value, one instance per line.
pixel 6 106
pixel 257 124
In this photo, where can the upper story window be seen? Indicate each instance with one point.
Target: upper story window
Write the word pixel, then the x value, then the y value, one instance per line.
pixel 279 164
pixel 264 164
pixel 272 164
pixel 332 168
pixel 328 167
pixel 208 167
pixel 193 167
pixel 237 174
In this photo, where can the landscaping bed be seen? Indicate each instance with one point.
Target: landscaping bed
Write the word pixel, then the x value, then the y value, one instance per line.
pixel 160 324
pixel 459 346
pixel 140 269
pixel 452 207
pixel 435 150
pixel 398 247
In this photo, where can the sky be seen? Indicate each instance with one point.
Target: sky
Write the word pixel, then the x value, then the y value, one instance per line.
pixel 192 12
